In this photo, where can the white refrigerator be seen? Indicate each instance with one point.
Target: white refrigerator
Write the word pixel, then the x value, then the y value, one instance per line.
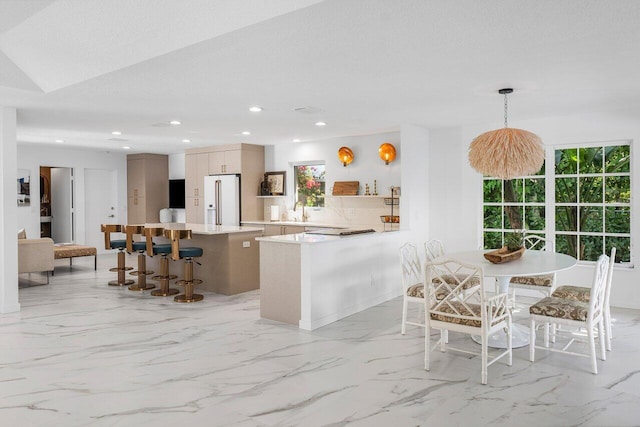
pixel 222 199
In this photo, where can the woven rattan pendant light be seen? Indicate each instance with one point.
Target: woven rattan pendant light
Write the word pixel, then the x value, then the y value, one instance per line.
pixel 506 153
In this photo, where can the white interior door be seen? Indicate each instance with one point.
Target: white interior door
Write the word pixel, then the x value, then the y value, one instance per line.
pixel 62 205
pixel 100 204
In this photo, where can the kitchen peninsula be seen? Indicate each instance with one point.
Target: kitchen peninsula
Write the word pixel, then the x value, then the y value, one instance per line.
pixel 311 280
pixel 229 264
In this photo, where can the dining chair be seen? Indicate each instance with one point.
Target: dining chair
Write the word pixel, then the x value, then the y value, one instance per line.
pixel 412 277
pixel 433 249
pixel 544 283
pixel 450 305
pixel 553 310
pixel 581 293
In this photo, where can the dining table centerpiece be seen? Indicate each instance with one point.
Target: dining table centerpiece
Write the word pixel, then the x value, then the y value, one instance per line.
pixel 512 250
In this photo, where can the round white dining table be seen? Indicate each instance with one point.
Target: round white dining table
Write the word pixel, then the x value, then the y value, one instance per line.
pixel 532 263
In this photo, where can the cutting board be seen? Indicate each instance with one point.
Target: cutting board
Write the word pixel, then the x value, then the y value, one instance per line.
pixel 345 188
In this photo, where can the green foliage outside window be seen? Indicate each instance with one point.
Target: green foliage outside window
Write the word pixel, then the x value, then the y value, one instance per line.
pixel 310 185
pixel 593 195
pixel 592 205
pixel 513 205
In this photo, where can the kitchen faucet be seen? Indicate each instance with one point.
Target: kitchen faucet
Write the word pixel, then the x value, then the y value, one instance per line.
pixel 304 215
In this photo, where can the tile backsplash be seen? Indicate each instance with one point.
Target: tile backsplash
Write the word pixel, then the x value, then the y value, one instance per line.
pixel 352 211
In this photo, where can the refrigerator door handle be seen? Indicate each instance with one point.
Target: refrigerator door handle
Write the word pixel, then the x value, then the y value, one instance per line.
pixel 218 187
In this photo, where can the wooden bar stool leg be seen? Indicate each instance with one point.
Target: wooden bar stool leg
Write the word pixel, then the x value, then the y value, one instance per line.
pixel 121 268
pixel 189 282
pixel 142 274
pixel 163 278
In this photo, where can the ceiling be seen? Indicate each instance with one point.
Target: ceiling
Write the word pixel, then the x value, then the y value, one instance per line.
pixel 78 70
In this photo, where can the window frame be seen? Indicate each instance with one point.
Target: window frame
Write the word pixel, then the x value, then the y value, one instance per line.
pixel 294 175
pixel 553 233
pixel 550 203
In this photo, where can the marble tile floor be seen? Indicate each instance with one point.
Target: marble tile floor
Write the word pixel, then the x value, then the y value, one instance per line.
pixel 81 353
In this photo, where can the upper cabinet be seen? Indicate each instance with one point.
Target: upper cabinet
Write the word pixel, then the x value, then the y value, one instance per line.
pixel 228 161
pixel 147 187
pixel 247 160
pixel 196 168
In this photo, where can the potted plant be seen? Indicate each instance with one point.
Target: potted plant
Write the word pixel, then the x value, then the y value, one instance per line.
pixel 514 241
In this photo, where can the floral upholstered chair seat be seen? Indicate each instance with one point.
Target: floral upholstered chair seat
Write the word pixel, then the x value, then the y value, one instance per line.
pixel 560 308
pixel 542 280
pixel 576 293
pixel 457 308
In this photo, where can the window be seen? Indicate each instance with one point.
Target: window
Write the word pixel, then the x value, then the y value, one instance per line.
pixel 590 190
pixel 310 184
pixel 514 204
pixel 593 201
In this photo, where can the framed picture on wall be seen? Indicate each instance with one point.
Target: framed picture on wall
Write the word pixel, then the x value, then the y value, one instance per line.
pixel 276 182
pixel 24 190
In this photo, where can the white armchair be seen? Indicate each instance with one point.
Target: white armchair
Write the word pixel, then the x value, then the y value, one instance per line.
pixel 35 255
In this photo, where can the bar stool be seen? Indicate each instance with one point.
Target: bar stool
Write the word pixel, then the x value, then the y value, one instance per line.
pixel 139 247
pixel 165 251
pixel 107 229
pixel 187 254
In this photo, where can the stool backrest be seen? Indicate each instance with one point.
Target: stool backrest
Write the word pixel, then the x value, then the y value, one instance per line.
pixel 131 230
pixel 150 233
pixel 107 229
pixel 175 236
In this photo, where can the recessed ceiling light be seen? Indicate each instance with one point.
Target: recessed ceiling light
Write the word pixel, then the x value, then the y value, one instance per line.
pixel 255 109
pixel 126 147
pixel 60 141
pixel 296 140
pixel 321 124
pixel 246 132
pixel 175 122
pixel 186 141
pixel 116 132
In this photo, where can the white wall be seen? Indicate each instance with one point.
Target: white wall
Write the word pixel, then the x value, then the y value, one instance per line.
pixel 414 200
pixel 456 189
pixel 365 168
pixel 33 156
pixel 8 223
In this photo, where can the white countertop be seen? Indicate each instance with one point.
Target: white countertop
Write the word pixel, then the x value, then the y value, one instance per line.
pixel 298 223
pixel 306 238
pixel 207 229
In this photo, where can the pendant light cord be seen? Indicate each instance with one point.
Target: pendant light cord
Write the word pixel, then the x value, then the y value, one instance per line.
pixel 505 111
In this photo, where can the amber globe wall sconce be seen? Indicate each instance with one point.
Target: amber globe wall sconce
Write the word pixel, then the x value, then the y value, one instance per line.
pixel 345 155
pixel 387 152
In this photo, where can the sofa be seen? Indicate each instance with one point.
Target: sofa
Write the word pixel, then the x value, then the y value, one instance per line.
pixel 35 255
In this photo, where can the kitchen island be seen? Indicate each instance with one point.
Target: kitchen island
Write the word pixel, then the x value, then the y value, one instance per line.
pixel 230 262
pixel 311 280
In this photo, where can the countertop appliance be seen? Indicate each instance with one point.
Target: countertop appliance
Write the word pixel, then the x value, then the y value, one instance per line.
pixel 222 199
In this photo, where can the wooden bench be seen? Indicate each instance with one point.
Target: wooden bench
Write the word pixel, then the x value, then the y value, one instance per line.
pixel 73 251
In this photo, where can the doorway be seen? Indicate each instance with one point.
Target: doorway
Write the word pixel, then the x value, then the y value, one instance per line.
pixel 100 204
pixel 57 211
